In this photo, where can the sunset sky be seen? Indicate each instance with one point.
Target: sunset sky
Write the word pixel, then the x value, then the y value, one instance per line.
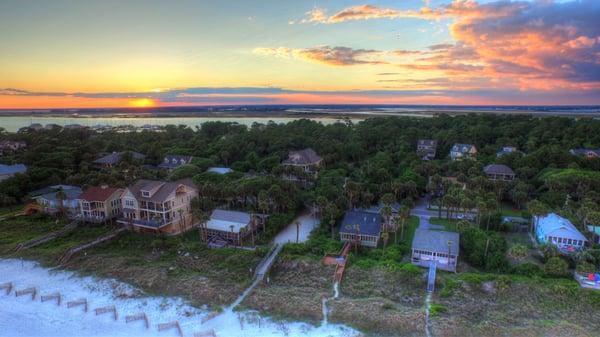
pixel 73 54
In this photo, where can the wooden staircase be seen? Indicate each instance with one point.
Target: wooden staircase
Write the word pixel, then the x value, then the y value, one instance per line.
pixel 48 237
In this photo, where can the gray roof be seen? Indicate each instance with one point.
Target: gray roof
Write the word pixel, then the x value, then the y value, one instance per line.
pixel 464 148
pixel 368 223
pixel 163 189
pixel 230 216
pixel 70 193
pixel 427 142
pixel 12 169
pixel 115 157
pixel 219 170
pixel 436 241
pixel 554 225
pixel 54 189
pixel 498 169
pixel 302 157
pixel 585 152
pixel 175 160
pixel 377 208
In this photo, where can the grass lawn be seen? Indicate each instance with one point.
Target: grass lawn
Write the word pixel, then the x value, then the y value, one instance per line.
pixel 17 230
pixel 10 209
pixel 409 230
pixel 449 224
pixel 507 209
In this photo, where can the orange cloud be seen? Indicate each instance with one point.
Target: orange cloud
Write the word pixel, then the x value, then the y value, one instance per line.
pixel 334 56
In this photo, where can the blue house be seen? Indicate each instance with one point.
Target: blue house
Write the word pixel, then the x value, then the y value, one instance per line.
pixel 361 227
pixel 560 232
pixel 51 203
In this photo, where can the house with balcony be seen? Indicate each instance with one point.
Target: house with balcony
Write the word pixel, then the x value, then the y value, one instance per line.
pixel 54 198
pixel 435 246
pixel 99 204
pixel 225 227
pixel 426 148
pixel 560 232
pixel 173 161
pixel 159 206
pixel 497 172
pixel 362 228
pixel 463 151
pixel 307 160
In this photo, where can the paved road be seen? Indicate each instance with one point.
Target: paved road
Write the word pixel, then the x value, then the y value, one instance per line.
pixel 424 214
pixel 308 222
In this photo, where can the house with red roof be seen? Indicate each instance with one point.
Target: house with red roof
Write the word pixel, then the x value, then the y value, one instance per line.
pixel 99 204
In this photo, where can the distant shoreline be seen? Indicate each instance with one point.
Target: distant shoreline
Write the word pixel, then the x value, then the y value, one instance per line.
pixel 347 113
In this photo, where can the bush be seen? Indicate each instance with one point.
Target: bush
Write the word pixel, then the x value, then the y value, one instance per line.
pixel 556 267
pixel 528 269
pixel 436 309
pixel 484 249
pixel 185 171
pixel 585 268
pixel 518 252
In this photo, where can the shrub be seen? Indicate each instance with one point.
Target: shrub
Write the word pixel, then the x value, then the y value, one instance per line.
pixel 518 252
pixel 436 309
pixel 585 268
pixel 185 171
pixel 484 249
pixel 556 267
pixel 528 269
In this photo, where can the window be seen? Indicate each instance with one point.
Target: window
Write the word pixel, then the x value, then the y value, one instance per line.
pixel 145 193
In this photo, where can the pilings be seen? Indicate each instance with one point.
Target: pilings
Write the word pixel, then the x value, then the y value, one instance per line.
pixel 7 286
pixel 104 310
pixel 56 296
pixel 109 309
pixel 80 302
pixel 171 325
pixel 32 291
pixel 138 317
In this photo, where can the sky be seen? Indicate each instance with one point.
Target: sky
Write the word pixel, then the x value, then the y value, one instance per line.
pixel 143 53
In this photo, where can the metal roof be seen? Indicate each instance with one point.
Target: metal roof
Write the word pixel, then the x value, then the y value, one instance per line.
pixel 12 169
pixel 302 157
pixel 368 223
pixel 228 221
pixel 436 241
pixel 498 169
pixel 555 225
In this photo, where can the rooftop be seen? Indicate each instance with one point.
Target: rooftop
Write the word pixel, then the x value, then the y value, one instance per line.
pixel 115 157
pixel 302 157
pixel 368 223
pixel 219 170
pixel 160 190
pixel 98 193
pixel 555 225
pixel 436 241
pixel 175 160
pixel 498 169
pixel 12 169
pixel 225 220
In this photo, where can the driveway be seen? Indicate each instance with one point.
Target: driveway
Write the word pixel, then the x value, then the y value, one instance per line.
pixel 424 214
pixel 308 222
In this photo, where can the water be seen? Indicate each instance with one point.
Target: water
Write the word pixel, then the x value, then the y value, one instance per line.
pixel 21 316
pixel 14 123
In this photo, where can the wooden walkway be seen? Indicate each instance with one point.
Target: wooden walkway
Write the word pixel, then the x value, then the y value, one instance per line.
pixel 341 265
pixel 48 237
pixel 431 277
pixel 107 237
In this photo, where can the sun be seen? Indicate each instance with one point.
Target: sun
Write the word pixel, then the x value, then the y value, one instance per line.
pixel 142 103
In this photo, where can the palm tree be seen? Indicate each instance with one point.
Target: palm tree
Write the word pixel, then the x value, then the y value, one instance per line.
pixel 61 196
pixel 297 231
pixel 537 209
pixel 404 214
